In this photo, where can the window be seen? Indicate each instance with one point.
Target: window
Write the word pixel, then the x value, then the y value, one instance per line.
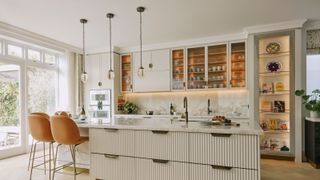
pixel 49 59
pixel 313 72
pixel 34 55
pixel 14 50
pixel 41 84
pixel 0 47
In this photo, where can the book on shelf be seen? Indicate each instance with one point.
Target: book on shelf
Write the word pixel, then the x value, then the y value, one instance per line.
pixel 279 107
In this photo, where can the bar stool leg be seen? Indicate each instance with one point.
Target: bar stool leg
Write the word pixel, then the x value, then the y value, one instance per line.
pixel 44 158
pixel 32 161
pixel 30 155
pixel 55 161
pixel 50 159
pixel 73 154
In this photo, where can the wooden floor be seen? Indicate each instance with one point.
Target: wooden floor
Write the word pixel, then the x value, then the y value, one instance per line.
pixel 16 169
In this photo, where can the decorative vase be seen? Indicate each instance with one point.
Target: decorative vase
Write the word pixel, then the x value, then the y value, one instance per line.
pixel 314 114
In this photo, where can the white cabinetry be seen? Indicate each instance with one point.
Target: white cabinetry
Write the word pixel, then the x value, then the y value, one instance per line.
pixel 156 71
pixel 167 155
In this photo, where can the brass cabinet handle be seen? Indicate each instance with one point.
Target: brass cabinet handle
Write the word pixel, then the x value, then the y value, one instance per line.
pixel 220 135
pixel 111 129
pixel 221 167
pixel 160 132
pixel 160 161
pixel 112 156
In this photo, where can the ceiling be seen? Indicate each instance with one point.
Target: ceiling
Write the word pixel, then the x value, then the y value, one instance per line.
pixel 164 20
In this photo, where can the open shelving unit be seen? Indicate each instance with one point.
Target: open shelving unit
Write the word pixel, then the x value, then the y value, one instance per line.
pixel 276 85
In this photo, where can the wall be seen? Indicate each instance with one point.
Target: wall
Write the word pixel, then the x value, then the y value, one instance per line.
pixel 222 102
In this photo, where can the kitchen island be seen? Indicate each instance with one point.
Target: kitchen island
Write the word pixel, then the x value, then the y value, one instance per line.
pixel 169 149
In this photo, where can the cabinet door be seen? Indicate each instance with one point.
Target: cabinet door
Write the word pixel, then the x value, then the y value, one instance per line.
pixel 178 70
pixel 92 68
pixel 157 77
pixel 217 66
pixel 238 64
pixel 196 68
pixel 104 66
pixel 154 169
pixel 113 167
pixel 126 73
pixel 230 150
pixel 208 172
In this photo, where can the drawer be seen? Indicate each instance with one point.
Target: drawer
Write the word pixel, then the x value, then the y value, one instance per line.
pixel 148 169
pixel 105 167
pixel 231 150
pixel 162 145
pixel 208 172
pixel 112 141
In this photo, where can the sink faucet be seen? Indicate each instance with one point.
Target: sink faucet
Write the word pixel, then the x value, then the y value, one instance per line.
pixel 209 110
pixel 185 105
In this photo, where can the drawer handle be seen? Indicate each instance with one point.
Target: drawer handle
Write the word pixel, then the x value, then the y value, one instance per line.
pixel 112 156
pixel 160 132
pixel 221 167
pixel 147 117
pixel 111 129
pixel 220 135
pixel 160 161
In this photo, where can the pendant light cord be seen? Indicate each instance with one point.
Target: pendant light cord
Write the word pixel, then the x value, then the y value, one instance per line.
pixel 140 39
pixel 110 48
pixel 83 48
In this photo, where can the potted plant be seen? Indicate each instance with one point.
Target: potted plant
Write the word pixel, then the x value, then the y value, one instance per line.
pixel 130 108
pixel 311 102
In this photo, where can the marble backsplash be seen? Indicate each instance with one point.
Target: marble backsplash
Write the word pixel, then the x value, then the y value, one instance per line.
pixel 228 103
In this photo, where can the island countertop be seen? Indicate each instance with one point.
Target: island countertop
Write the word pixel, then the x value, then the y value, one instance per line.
pixel 169 124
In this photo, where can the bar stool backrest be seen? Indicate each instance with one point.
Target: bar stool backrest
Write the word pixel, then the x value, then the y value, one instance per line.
pixel 64 130
pixel 40 128
pixel 41 114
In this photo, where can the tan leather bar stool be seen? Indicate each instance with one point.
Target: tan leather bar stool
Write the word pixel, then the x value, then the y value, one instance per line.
pixel 66 132
pixel 61 113
pixel 30 155
pixel 41 132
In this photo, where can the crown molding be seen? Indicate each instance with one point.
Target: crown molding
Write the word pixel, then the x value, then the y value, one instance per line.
pixel 312 24
pixel 31 37
pixel 189 42
pixel 275 26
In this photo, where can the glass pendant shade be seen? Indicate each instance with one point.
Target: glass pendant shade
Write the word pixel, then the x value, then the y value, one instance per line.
pixel 140 72
pixel 84 77
pixel 111 74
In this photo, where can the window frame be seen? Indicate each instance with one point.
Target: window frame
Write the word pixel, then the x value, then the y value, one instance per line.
pixel 33 49
pixel 7 43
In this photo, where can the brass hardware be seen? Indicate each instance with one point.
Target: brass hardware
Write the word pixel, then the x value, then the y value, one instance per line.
pixel 111 129
pixel 221 167
pixel 112 156
pixel 220 135
pixel 160 161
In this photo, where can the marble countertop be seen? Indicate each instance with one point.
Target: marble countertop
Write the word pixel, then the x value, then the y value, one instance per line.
pixel 313 119
pixel 174 116
pixel 168 124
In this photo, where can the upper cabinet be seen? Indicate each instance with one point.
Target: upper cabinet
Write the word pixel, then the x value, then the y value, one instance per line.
pixel 97 66
pixel 217 66
pixel 196 68
pixel 126 73
pixel 156 71
pixel 238 64
pixel 178 70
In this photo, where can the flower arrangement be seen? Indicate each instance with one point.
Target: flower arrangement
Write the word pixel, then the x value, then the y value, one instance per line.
pixel 130 108
pixel 311 102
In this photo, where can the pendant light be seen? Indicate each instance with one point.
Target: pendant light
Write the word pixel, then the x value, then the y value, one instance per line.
pixel 84 75
pixel 140 10
pixel 111 72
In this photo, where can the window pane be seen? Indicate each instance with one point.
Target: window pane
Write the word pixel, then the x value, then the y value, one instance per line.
pixel 0 47
pixel 14 50
pixel 41 85
pixel 313 73
pixel 9 108
pixel 33 55
pixel 50 59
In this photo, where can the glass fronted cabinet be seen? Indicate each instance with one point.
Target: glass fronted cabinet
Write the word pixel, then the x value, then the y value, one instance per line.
pixel 217 66
pixel 238 65
pixel 178 69
pixel 276 86
pixel 126 74
pixel 196 71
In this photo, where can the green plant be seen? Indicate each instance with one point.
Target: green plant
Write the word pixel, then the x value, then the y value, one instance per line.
pixel 130 108
pixel 311 102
